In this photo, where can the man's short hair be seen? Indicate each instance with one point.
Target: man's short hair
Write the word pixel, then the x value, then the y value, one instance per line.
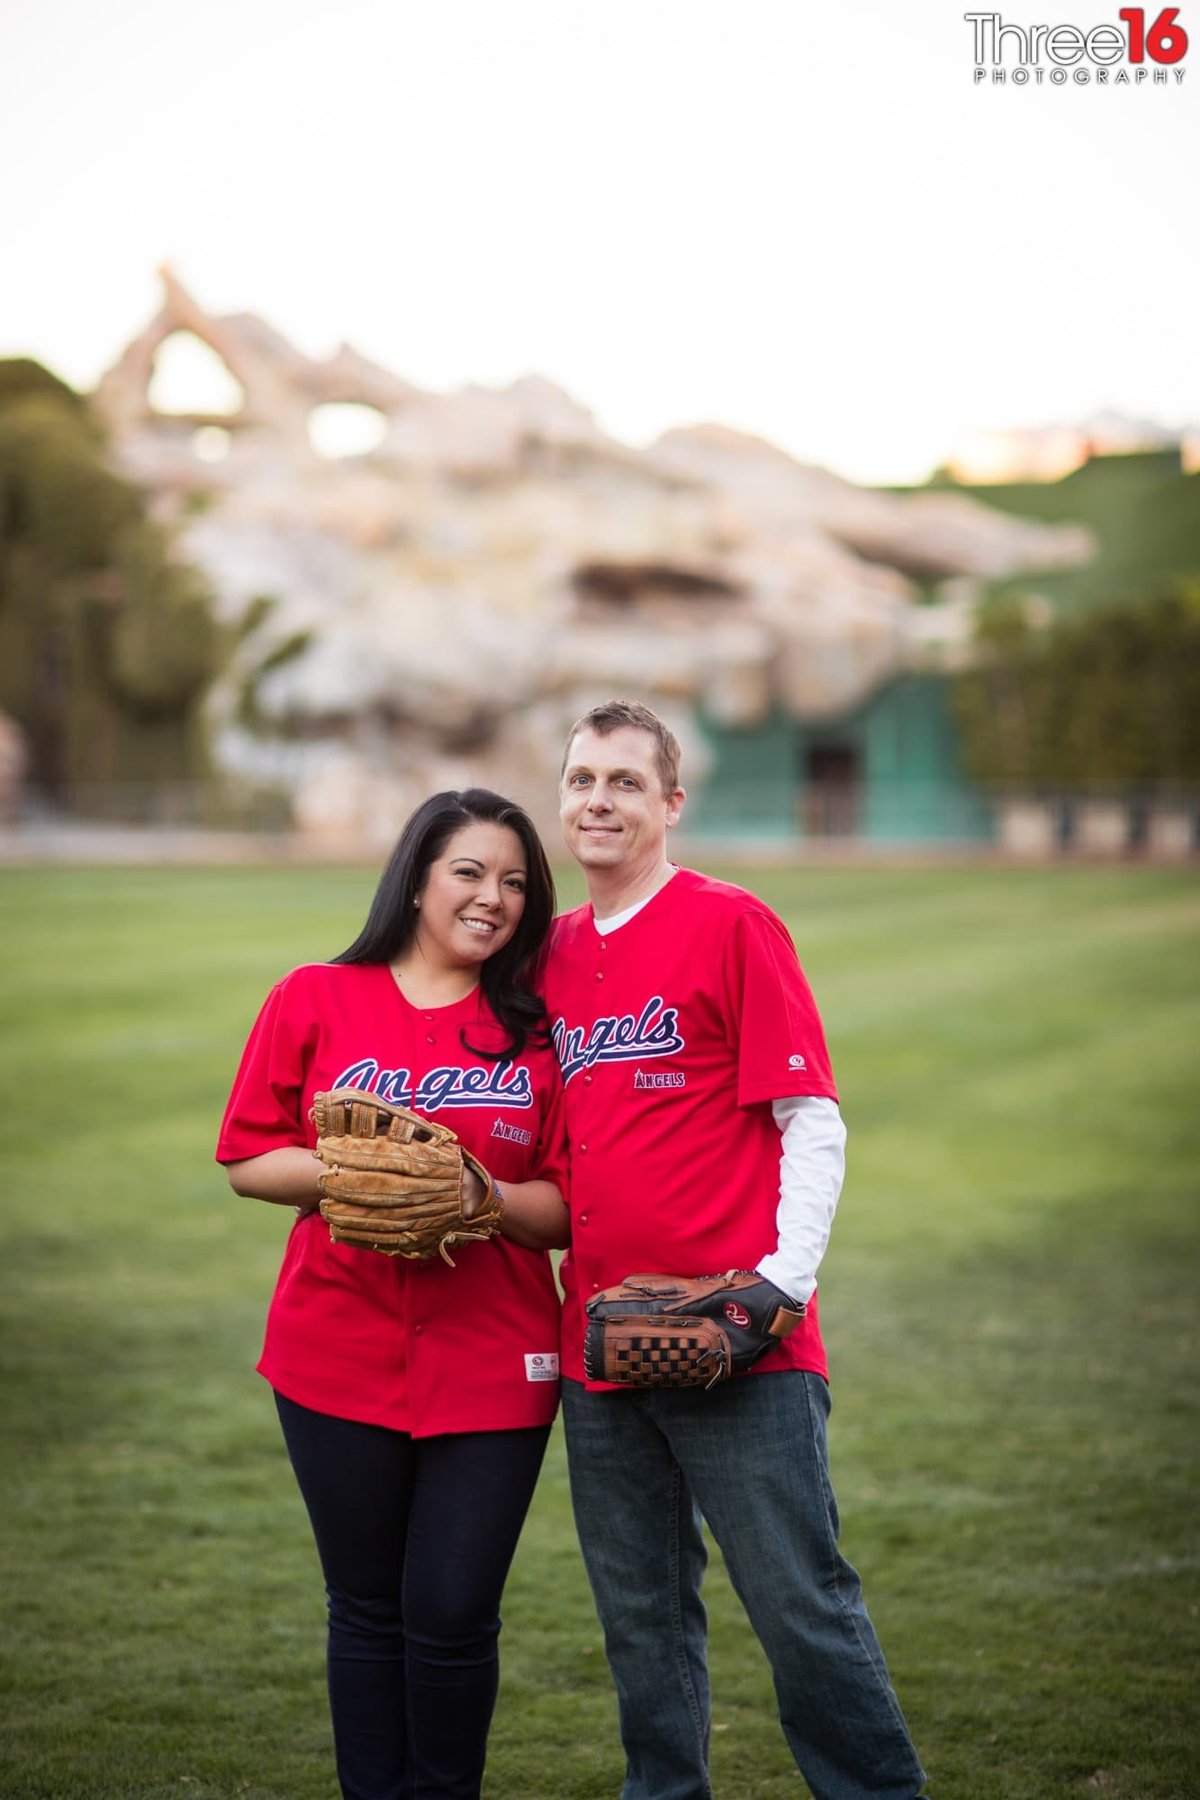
pixel 611 715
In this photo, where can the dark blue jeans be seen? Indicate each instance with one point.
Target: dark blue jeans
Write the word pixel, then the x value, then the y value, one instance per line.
pixel 415 1538
pixel 750 1457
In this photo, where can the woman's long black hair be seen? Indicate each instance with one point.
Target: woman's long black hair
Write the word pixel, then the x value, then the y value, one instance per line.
pixel 392 921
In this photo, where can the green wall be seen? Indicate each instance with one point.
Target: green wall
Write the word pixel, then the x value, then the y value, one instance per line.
pixel 753 789
pixel 906 785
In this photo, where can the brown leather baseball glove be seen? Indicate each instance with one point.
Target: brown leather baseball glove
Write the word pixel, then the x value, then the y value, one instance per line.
pixel 684 1330
pixel 396 1183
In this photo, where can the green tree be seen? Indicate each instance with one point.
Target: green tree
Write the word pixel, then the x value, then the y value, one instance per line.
pixel 1111 696
pixel 106 641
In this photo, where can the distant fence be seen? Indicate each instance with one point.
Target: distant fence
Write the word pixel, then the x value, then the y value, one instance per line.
pixel 164 805
pixel 1039 824
pixel 1105 822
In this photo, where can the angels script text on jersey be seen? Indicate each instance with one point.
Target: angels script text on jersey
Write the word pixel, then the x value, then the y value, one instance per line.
pixel 627 1038
pixel 503 1084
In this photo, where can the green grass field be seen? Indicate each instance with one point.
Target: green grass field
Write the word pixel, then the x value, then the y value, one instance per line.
pixel 1009 1302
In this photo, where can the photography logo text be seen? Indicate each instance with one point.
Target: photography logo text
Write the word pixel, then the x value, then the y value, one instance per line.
pixel 1109 54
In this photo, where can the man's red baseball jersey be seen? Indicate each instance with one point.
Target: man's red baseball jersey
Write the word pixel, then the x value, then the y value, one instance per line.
pixel 674 1034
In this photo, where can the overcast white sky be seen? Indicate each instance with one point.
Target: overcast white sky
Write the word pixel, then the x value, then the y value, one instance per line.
pixel 801 217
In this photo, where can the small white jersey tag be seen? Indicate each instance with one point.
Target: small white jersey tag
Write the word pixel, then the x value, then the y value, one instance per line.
pixel 543 1367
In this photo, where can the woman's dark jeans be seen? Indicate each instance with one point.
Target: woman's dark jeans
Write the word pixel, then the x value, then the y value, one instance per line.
pixel 415 1538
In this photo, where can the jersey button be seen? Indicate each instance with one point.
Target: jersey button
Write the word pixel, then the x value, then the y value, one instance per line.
pixel 583 1147
pixel 583 1218
pixel 431 1039
pixel 599 974
pixel 417 1330
pixel 587 1081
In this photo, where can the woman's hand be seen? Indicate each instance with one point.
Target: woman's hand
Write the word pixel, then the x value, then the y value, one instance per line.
pixel 474 1191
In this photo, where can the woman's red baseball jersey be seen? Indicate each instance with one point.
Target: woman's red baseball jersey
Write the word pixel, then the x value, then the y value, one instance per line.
pixel 416 1346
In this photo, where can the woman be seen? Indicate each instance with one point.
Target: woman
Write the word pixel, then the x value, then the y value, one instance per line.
pixel 416 1398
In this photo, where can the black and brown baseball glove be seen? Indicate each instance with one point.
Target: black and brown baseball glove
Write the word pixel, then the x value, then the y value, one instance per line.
pixel 684 1330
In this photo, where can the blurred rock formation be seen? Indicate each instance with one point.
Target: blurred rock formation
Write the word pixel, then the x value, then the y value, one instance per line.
pixel 440 608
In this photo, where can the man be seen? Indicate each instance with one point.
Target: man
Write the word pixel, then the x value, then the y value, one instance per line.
pixel 705 1136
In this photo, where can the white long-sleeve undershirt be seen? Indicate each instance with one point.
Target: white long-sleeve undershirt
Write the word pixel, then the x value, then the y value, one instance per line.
pixel 812 1166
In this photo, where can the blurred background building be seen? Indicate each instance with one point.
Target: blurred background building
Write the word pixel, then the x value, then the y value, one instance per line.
pixel 249 586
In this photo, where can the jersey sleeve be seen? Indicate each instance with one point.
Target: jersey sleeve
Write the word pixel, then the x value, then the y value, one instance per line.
pixel 266 1109
pixel 775 1028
